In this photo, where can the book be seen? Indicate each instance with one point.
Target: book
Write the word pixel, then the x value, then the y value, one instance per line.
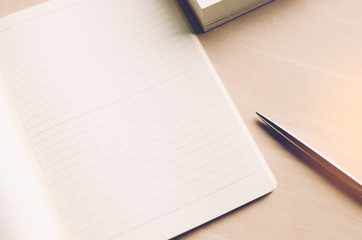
pixel 120 127
pixel 212 13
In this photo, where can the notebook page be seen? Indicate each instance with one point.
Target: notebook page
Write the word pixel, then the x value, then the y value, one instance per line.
pixel 24 214
pixel 128 124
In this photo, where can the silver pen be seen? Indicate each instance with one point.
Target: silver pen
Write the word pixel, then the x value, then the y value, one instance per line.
pixel 345 177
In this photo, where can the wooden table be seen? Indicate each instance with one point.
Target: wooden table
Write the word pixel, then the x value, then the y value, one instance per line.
pixel 300 63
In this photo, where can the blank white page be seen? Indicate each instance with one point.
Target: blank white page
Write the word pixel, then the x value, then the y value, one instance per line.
pixel 129 124
pixel 24 214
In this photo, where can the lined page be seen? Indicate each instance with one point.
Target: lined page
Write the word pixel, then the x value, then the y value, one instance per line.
pixel 126 120
pixel 24 214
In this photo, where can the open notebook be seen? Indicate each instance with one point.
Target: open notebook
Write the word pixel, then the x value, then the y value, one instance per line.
pixel 129 132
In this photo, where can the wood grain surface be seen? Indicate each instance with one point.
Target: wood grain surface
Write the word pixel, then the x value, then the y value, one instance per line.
pixel 299 63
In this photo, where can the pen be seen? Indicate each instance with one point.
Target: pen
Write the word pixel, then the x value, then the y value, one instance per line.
pixel 353 183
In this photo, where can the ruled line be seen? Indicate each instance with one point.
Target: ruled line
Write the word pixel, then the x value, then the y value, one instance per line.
pixel 141 100
pixel 95 76
pixel 115 165
pixel 207 97
pixel 77 57
pixel 39 16
pixel 135 138
pixel 170 180
pixel 90 23
pixel 119 163
pixel 161 205
pixel 103 87
pixel 79 201
pixel 184 205
pixel 204 136
pixel 100 107
pixel 138 126
pixel 41 70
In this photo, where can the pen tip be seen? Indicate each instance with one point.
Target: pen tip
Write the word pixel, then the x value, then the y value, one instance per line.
pixel 261 116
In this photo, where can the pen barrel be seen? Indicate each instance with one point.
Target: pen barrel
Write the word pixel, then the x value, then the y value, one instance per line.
pixel 347 182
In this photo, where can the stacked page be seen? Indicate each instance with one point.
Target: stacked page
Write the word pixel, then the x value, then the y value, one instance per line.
pixel 24 212
pixel 128 129
pixel 212 13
